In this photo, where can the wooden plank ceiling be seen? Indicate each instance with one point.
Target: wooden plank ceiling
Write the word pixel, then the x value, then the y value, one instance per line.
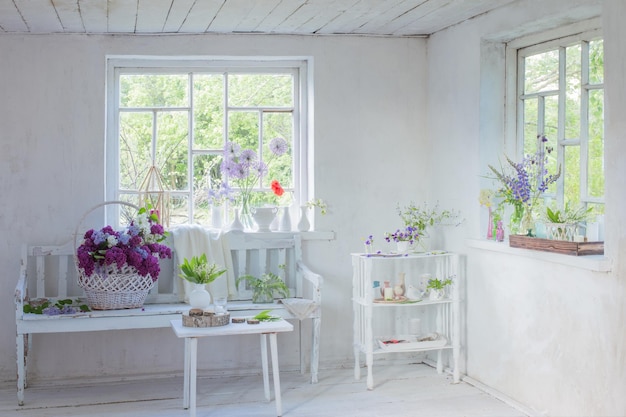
pixel 306 17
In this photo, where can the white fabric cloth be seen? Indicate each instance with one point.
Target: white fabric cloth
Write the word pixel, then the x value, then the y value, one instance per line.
pixel 194 240
pixel 299 307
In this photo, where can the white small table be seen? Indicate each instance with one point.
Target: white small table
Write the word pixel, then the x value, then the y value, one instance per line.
pixel 191 335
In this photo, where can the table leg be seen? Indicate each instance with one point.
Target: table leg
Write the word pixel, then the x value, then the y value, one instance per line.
pixel 193 364
pixel 186 375
pixel 266 378
pixel 276 376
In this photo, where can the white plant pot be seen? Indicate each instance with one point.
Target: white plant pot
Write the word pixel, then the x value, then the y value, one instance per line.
pixel 199 297
pixel 263 217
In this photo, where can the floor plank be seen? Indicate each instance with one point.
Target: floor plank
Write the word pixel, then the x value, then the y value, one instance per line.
pixel 401 390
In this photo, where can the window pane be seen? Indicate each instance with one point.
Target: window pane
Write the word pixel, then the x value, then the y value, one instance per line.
pixel 206 176
pixel 153 90
pixel 208 101
pixel 530 125
pixel 172 144
pixel 551 120
pixel 278 125
pixel 541 72
pixel 596 144
pixel 572 96
pixel 243 128
pixel 571 175
pixel 179 210
pixel 272 90
pixel 135 144
pixel 596 62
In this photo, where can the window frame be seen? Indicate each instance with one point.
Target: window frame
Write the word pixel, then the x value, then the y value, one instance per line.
pixel 300 66
pixel 516 50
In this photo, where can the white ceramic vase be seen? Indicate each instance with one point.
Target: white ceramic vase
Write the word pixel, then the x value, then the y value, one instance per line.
pixel 263 217
pixel 236 224
pixel 199 297
pixel 285 221
pixel 216 217
pixel 303 224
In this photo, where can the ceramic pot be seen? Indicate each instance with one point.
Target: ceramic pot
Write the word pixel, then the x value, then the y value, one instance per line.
pixel 199 297
pixel 263 217
pixel 216 217
pixel 285 221
pixel 303 224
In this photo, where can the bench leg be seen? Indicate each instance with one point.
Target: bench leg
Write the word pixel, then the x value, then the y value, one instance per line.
pixel 22 343
pixel 315 349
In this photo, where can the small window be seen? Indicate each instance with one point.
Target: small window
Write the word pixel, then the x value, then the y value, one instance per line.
pixel 170 121
pixel 561 106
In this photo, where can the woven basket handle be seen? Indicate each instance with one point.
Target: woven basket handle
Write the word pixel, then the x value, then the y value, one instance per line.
pixel 88 212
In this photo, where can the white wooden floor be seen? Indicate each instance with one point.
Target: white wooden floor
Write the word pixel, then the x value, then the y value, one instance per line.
pixel 400 390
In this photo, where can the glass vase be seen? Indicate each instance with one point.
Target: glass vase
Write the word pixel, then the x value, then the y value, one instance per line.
pixel 245 215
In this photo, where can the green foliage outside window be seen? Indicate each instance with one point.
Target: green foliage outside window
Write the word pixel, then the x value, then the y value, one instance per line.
pixel 177 121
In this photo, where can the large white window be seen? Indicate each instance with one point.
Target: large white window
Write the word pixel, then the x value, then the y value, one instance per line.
pixel 560 107
pixel 174 117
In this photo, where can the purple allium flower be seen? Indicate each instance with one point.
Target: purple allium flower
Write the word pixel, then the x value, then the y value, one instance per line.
pixel 278 146
pixel 248 157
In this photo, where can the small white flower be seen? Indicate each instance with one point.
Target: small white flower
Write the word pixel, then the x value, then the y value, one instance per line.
pixel 111 241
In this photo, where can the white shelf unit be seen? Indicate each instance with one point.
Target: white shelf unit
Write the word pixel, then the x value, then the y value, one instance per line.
pixel 374 320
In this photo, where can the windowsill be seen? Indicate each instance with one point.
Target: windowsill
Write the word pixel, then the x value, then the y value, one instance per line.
pixel 310 235
pixel 597 263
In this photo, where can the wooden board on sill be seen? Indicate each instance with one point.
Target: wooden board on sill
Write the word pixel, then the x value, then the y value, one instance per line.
pixel 557 246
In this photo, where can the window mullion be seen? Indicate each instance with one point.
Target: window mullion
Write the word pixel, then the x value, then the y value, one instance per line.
pixel 190 149
pixel 584 121
pixel 560 131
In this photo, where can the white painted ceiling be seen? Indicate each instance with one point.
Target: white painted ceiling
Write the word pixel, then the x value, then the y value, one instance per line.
pixel 307 17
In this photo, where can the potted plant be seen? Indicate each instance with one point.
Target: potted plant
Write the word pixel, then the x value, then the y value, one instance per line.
pixel 561 225
pixel 403 238
pixel 418 218
pixel 263 287
pixel 437 288
pixel 199 273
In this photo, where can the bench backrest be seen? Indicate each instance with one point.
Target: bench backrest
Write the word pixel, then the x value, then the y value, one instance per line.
pixel 50 271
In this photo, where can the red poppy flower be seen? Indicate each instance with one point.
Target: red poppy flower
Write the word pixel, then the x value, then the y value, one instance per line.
pixel 277 188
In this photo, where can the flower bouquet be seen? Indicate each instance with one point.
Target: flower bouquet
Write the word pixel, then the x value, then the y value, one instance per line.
pixel 117 268
pixel 245 170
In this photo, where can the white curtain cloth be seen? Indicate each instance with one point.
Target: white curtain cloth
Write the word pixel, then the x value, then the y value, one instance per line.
pixel 300 307
pixel 194 240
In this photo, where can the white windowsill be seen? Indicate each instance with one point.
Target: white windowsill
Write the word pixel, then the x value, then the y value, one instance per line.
pixel 310 235
pixel 598 263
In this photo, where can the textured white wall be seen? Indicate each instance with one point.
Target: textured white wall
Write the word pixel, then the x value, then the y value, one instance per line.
pixel 370 118
pixel 550 336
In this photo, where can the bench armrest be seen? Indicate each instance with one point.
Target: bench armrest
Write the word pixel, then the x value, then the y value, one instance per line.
pixel 21 289
pixel 316 280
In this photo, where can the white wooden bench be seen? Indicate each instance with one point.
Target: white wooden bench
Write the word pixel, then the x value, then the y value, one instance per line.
pixel 49 272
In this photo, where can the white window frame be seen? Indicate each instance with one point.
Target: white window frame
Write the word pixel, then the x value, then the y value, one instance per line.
pixel 515 51
pixel 303 126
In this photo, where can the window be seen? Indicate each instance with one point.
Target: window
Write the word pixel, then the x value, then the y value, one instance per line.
pixel 169 121
pixel 561 99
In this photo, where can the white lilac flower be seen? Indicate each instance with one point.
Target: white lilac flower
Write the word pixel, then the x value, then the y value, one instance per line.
pixel 111 240
pixel 278 146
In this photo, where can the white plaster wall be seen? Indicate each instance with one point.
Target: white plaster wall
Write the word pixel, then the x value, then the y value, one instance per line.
pixel 549 336
pixel 370 131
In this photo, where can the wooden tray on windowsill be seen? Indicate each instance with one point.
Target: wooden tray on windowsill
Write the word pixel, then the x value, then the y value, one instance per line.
pixel 557 246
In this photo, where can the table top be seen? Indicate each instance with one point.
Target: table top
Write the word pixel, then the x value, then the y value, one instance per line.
pixel 230 329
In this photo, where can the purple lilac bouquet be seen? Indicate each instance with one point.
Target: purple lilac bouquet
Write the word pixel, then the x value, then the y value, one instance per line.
pixel 136 246
pixel 409 234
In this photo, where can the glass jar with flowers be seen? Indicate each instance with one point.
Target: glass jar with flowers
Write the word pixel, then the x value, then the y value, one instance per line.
pixel 245 171
pixel 522 185
pixel 217 197
pixel 110 261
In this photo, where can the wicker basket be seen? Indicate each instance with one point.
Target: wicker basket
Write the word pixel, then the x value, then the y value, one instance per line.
pixel 110 288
